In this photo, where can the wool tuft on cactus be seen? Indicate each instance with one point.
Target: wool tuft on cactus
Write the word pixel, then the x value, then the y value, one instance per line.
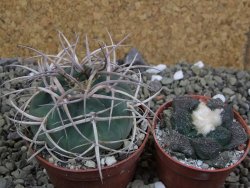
pixel 81 109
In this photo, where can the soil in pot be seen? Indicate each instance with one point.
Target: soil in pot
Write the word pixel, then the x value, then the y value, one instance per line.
pixel 177 170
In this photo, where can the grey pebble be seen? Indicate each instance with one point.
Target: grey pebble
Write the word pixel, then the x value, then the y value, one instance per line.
pixel 244 171
pixel 166 81
pixel 10 165
pixel 2 122
pixel 3 170
pixel 19 186
pixel 228 91
pixel 233 179
pixel 218 79
pixel 19 181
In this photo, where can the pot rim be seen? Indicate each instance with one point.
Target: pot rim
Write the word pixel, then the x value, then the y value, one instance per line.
pixel 204 98
pixel 96 169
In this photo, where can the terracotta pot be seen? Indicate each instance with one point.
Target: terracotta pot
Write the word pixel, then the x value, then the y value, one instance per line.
pixel 115 176
pixel 177 175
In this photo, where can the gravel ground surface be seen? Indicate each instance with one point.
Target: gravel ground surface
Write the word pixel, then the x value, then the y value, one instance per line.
pixel 16 172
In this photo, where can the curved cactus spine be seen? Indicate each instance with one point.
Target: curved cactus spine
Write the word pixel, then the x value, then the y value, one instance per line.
pixel 81 109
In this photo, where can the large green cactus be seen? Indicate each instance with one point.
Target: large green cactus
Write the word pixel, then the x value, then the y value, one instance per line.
pixel 69 139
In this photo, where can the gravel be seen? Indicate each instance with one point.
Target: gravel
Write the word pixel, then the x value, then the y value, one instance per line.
pixel 17 172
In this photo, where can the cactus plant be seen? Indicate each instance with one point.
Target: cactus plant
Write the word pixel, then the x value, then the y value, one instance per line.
pixel 206 141
pixel 81 109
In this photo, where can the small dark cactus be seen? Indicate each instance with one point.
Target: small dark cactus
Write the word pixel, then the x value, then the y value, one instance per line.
pixel 228 135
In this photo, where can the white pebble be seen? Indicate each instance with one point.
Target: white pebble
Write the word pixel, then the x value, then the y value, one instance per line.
pixel 248 92
pixel 156 69
pixel 102 161
pixel 51 160
pixel 220 96
pixel 178 75
pixel 135 147
pixel 90 164
pixel 159 184
pixel 156 77
pixel 199 162
pixel 199 64
pixel 144 125
pixel 141 136
pixel 110 160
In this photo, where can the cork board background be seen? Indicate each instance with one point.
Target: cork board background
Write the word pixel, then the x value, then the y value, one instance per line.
pixel 164 31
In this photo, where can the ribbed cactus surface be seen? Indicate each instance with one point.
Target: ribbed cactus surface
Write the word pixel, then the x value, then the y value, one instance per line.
pixel 69 138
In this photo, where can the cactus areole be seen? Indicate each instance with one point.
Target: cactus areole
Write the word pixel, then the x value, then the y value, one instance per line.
pixel 69 138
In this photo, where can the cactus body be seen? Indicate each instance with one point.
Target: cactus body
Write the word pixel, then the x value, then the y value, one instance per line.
pixel 68 138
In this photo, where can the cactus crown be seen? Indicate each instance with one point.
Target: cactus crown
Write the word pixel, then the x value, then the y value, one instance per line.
pixel 81 109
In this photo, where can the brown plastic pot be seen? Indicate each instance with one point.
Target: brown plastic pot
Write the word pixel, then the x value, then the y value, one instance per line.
pixel 115 176
pixel 177 175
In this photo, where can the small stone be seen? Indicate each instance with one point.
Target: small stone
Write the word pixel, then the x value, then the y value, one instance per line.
pixel 244 172
pixel 199 64
pixel 135 55
pixel 90 164
pixel 159 184
pixel 156 77
pixel 110 160
pixel 19 181
pixel 248 91
pixel 141 136
pixel 19 186
pixel 51 160
pixel 241 74
pixel 72 161
pixel 3 170
pixel 178 91
pixel 232 80
pixel 24 148
pixel 178 75
pixel 166 81
pixel 10 165
pixel 155 86
pixel 102 161
pixel 228 91
pixel 156 69
pixel 3 149
pixel 233 179
pixel 199 162
pixel 2 122
pixel 137 184
pixel 218 79
pixel 204 166
pixel 126 143
pixel 234 185
pixel 13 136
pixel 135 147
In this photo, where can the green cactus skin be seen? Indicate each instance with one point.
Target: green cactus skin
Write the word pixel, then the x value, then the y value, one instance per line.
pixel 209 146
pixel 69 138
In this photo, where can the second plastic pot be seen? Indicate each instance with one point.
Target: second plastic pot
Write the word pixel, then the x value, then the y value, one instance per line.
pixel 177 175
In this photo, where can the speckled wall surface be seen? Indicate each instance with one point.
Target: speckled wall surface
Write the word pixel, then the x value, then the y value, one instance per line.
pixel 165 31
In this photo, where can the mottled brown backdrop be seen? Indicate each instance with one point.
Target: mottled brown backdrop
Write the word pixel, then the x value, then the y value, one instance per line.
pixel 165 31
